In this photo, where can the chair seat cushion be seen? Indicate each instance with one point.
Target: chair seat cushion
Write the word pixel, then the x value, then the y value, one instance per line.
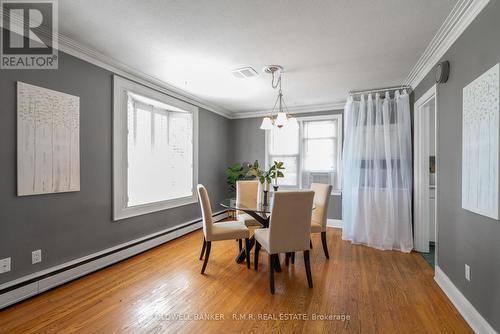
pixel 229 230
pixel 248 220
pixel 317 228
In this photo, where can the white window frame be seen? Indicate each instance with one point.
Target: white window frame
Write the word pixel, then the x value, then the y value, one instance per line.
pixel 301 120
pixel 121 87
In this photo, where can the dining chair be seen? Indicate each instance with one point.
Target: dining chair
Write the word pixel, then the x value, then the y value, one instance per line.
pixel 320 213
pixel 246 195
pixel 229 230
pixel 289 230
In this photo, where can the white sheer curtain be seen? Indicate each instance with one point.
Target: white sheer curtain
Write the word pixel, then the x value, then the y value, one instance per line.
pixel 377 178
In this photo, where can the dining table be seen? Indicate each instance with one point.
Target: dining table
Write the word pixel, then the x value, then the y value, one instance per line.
pixel 261 213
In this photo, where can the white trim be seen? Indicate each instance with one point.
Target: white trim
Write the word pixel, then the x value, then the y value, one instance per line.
pixel 44 284
pixel 295 110
pixel 335 223
pixel 421 169
pixel 73 48
pixel 80 51
pixel 466 309
pixel 463 13
pixel 120 209
pixel 461 16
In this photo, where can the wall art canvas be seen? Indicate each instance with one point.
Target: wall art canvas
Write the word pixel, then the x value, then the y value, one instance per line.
pixel 480 141
pixel 48 141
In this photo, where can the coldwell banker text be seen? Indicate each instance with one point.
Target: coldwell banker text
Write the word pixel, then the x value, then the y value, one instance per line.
pixel 29 35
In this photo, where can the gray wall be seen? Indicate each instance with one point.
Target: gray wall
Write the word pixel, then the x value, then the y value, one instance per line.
pixel 249 145
pixel 465 237
pixel 70 225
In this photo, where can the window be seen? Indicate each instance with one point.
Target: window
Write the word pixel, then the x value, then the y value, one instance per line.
pixel 310 153
pixel 155 150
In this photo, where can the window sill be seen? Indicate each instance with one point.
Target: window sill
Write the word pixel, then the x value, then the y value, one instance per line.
pixel 139 210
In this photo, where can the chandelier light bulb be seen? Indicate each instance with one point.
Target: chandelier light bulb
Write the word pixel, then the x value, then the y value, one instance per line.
pixel 267 124
pixel 281 119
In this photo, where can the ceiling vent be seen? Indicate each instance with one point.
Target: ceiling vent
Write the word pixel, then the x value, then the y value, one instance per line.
pixel 244 72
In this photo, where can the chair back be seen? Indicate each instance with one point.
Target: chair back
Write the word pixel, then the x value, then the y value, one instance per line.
pixel 246 193
pixel 206 210
pixel 321 200
pixel 290 224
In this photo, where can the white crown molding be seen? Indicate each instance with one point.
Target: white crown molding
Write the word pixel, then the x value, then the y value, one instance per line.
pixel 76 49
pixel 466 309
pixel 292 110
pixel 461 16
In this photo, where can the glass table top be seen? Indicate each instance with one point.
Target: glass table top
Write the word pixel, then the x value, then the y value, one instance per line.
pixel 230 203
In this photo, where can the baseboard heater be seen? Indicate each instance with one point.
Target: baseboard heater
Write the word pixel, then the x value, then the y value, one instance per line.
pixel 31 285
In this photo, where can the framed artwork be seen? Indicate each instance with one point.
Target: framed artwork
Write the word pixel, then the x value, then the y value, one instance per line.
pixel 480 141
pixel 48 141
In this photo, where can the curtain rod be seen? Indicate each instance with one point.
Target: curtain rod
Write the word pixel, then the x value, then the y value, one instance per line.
pixel 376 90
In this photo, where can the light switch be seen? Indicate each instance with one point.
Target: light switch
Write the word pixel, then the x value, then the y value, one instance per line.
pixel 467 272
pixel 4 265
pixel 36 256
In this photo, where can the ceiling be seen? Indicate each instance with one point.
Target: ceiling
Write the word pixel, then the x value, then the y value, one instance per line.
pixel 326 47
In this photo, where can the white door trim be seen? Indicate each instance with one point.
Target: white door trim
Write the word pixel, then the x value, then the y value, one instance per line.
pixel 421 169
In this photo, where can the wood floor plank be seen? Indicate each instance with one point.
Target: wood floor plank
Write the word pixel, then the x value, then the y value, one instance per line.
pixel 379 292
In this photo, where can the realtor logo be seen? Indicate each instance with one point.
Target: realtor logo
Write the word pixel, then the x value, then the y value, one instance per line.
pixel 29 34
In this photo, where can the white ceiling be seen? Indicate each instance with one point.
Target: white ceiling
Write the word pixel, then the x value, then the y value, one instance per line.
pixel 326 47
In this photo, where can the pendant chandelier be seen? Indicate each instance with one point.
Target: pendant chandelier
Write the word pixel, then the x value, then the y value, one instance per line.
pixel 282 117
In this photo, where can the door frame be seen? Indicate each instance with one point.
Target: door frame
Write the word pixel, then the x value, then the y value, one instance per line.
pixel 421 170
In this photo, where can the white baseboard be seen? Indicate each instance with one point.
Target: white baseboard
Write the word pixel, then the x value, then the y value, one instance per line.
pixel 337 223
pixel 466 309
pixel 130 248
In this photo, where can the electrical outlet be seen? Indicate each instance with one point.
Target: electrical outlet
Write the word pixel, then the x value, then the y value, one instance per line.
pixel 36 256
pixel 4 265
pixel 467 272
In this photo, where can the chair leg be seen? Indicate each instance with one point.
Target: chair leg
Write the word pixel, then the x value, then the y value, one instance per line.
pixel 325 246
pixel 287 259
pixel 247 251
pixel 209 245
pixel 308 268
pixel 203 248
pixel 239 244
pixel 256 255
pixel 293 258
pixel 271 272
pixel 310 243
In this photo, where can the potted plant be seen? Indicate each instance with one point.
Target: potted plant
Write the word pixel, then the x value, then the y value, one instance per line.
pixel 276 172
pixel 234 173
pixel 265 177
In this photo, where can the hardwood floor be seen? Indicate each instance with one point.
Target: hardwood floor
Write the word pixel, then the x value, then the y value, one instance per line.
pixel 380 292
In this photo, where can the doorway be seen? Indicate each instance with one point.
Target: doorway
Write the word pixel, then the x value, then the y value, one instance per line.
pixel 425 175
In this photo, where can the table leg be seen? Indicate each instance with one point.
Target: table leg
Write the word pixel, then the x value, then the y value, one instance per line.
pixel 265 223
pixel 242 254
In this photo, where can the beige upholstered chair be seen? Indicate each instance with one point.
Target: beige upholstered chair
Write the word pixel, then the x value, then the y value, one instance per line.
pixel 246 194
pixel 219 231
pixel 289 230
pixel 320 213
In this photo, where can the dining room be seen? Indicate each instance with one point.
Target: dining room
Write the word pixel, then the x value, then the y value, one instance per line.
pixel 249 166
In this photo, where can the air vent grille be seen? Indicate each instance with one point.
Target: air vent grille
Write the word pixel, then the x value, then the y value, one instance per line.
pixel 244 72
